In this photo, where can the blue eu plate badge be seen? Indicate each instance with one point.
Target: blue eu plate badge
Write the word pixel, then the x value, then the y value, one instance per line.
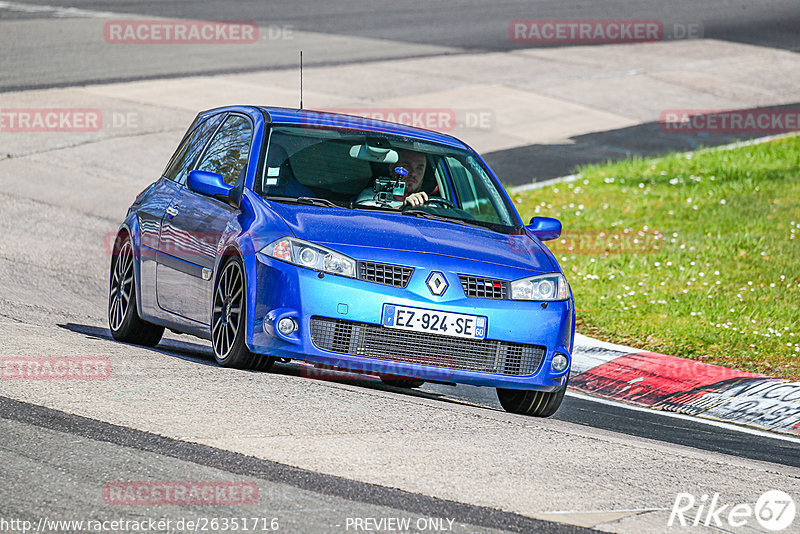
pixel 388 315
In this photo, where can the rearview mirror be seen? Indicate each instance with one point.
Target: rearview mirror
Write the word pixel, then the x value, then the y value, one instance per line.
pixel 210 184
pixel 367 152
pixel 545 228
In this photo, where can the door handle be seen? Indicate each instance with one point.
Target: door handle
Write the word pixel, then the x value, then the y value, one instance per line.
pixel 172 211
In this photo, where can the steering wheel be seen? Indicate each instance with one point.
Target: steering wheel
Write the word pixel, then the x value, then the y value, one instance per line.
pixel 442 202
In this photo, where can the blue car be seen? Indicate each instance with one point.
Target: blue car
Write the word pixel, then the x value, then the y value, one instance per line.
pixel 348 243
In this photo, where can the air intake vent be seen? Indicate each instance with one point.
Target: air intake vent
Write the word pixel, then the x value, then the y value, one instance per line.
pixel 383 273
pixel 484 288
pixel 375 341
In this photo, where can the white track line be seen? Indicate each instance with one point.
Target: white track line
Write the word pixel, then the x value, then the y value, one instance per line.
pixel 56 11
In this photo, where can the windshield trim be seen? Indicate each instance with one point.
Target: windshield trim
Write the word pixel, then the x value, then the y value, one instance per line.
pixel 517 225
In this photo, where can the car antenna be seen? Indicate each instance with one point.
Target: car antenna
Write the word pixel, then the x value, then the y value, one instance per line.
pixel 301 79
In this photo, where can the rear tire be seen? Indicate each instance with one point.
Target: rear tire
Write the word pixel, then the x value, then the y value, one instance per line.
pixel 228 318
pixel 123 315
pixel 528 402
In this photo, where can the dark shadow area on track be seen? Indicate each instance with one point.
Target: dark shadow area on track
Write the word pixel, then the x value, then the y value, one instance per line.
pixel 653 425
pixel 691 433
pixel 184 350
pixel 249 466
pixel 535 163
pixel 202 354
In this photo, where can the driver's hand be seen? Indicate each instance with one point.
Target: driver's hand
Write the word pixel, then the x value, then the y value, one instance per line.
pixel 416 199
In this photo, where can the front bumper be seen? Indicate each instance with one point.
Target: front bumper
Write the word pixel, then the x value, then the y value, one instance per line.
pixel 521 337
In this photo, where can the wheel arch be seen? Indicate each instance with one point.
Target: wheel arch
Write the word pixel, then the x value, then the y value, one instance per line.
pixel 242 247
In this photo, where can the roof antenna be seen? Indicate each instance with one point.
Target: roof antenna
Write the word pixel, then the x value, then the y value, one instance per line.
pixel 301 79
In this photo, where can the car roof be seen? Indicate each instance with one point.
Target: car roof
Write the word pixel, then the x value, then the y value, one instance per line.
pixel 317 118
pixel 310 117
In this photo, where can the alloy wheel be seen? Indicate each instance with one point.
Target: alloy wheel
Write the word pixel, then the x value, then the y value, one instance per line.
pixel 227 314
pixel 121 286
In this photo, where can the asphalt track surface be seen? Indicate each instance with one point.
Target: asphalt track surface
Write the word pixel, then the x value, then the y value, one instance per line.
pixel 301 500
pixel 474 25
pixel 390 30
pixel 307 500
pixel 443 27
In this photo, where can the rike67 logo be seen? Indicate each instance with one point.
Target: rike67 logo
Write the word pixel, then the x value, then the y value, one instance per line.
pixel 774 510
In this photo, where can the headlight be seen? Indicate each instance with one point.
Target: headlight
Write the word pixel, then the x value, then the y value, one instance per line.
pixel 310 256
pixel 545 287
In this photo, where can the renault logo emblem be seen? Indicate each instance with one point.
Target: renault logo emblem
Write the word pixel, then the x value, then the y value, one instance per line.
pixel 437 283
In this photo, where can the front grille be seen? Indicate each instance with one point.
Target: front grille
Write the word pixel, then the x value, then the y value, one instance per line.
pixel 384 273
pixel 375 341
pixel 484 288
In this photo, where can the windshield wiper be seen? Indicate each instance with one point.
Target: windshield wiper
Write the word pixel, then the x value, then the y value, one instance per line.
pixel 314 201
pixel 306 201
pixel 428 215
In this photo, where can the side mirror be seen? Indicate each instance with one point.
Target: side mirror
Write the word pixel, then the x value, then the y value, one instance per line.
pixel 210 184
pixel 545 228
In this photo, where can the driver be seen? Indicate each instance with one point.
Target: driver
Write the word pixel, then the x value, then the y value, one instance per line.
pixel 414 164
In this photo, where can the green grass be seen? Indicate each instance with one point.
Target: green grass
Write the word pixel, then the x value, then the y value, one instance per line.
pixel 691 255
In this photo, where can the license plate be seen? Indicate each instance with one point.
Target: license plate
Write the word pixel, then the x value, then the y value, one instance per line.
pixel 434 322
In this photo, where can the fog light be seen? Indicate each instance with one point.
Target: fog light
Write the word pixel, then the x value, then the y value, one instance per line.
pixel 560 362
pixel 286 326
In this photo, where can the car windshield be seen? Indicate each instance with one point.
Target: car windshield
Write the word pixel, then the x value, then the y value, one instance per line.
pixel 348 168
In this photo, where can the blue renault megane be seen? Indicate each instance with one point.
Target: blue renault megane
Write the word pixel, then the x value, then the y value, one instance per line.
pixel 349 243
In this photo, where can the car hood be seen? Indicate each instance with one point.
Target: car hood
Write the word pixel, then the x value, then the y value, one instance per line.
pixel 395 231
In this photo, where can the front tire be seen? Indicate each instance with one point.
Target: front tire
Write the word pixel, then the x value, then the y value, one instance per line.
pixel 228 318
pixel 123 316
pixel 528 402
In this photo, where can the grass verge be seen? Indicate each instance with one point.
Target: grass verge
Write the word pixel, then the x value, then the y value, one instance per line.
pixel 692 255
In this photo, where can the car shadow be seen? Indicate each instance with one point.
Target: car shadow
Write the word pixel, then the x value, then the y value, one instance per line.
pixel 202 354
pixel 194 352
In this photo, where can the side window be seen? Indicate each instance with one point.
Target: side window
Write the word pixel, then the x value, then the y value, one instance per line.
pixel 227 154
pixel 474 193
pixel 187 153
pixel 441 180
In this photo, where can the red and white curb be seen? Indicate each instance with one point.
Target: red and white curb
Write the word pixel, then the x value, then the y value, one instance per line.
pixel 684 386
